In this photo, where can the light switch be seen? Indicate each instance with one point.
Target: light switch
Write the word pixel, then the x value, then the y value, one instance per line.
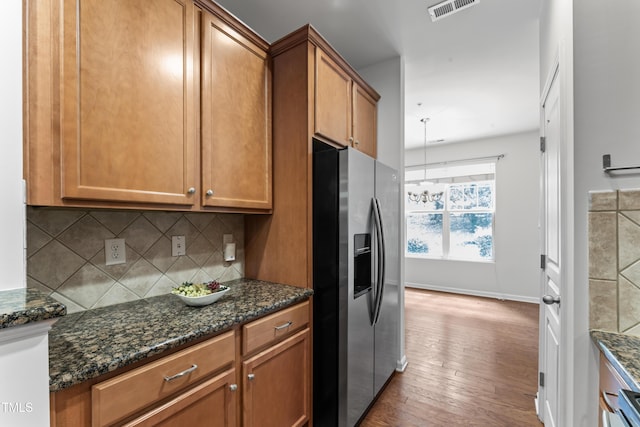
pixel 228 248
pixel 229 252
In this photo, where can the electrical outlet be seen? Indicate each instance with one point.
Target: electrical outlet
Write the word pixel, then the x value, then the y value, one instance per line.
pixel 178 246
pixel 115 251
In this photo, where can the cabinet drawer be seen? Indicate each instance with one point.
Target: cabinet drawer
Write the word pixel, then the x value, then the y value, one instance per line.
pixel 610 380
pixel 128 393
pixel 277 325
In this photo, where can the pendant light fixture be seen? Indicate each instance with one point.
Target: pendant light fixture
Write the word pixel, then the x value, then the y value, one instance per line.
pixel 425 197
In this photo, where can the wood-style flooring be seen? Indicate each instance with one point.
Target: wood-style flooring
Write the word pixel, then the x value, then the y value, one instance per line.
pixel 472 362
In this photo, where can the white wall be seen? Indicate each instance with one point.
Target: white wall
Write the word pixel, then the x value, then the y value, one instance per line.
pixel 23 349
pixel 551 26
pixel 514 274
pixel 606 42
pixel 387 78
pixel 12 218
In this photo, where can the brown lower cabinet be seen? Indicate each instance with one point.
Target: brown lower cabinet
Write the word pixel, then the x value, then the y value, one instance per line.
pixel 212 403
pixel 610 383
pixel 271 396
pixel 217 382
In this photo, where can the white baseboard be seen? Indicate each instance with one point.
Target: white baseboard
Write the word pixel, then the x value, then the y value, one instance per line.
pixel 473 292
pixel 401 365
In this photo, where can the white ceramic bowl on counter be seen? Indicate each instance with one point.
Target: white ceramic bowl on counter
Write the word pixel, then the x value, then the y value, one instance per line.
pixel 205 299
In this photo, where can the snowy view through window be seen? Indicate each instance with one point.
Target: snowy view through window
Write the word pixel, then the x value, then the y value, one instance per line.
pixel 459 225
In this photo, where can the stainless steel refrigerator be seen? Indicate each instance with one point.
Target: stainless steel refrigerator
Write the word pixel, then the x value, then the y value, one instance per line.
pixel 356 273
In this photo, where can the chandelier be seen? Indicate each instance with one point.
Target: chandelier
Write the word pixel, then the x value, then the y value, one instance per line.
pixel 425 196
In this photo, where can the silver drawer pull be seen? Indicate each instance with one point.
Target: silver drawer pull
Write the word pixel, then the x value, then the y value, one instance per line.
pixel 283 326
pixel 181 374
pixel 233 387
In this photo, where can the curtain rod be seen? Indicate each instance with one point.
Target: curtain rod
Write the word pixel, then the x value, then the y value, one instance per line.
pixel 497 157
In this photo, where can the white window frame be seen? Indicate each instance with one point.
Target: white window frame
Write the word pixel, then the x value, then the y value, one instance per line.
pixel 446 217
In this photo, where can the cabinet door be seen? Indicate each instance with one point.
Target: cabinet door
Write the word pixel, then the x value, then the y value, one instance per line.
pixel 333 100
pixel 236 119
pixel 210 404
pixel 276 384
pixel 365 111
pixel 127 101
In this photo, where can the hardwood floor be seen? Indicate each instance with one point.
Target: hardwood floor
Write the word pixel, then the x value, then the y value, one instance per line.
pixel 472 362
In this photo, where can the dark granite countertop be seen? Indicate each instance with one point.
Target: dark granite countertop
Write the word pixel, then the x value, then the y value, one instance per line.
pixel 27 305
pixel 94 342
pixel 623 351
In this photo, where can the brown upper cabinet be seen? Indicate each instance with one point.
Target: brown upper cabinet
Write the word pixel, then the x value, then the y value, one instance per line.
pixel 345 112
pixel 117 116
pixel 365 121
pixel 316 94
pixel 236 118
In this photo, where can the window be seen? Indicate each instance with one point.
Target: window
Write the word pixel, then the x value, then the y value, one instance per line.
pixel 450 212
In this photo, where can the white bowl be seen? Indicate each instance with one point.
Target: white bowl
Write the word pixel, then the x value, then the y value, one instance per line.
pixel 205 299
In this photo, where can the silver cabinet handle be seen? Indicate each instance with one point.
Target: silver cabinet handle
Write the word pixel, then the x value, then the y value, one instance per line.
pixel 357 142
pixel 233 387
pixel 351 141
pixel 549 299
pixel 191 190
pixel 251 377
pixel 283 326
pixel 181 374
pixel 209 192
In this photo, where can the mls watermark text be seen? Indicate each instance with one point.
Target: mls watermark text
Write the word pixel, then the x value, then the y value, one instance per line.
pixel 16 407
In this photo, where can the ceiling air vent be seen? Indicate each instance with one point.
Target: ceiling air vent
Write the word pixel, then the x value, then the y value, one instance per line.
pixel 449 7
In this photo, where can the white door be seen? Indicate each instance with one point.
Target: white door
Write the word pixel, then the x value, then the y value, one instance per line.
pixel 550 306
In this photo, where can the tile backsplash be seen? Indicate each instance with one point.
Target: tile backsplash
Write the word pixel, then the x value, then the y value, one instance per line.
pixel 66 257
pixel 614 261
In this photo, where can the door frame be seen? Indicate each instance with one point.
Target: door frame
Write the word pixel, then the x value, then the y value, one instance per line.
pixel 561 69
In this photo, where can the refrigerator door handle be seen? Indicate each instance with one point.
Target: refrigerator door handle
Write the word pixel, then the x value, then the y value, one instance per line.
pixel 380 261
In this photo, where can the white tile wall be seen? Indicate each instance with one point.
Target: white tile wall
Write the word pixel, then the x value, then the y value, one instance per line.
pixel 65 253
